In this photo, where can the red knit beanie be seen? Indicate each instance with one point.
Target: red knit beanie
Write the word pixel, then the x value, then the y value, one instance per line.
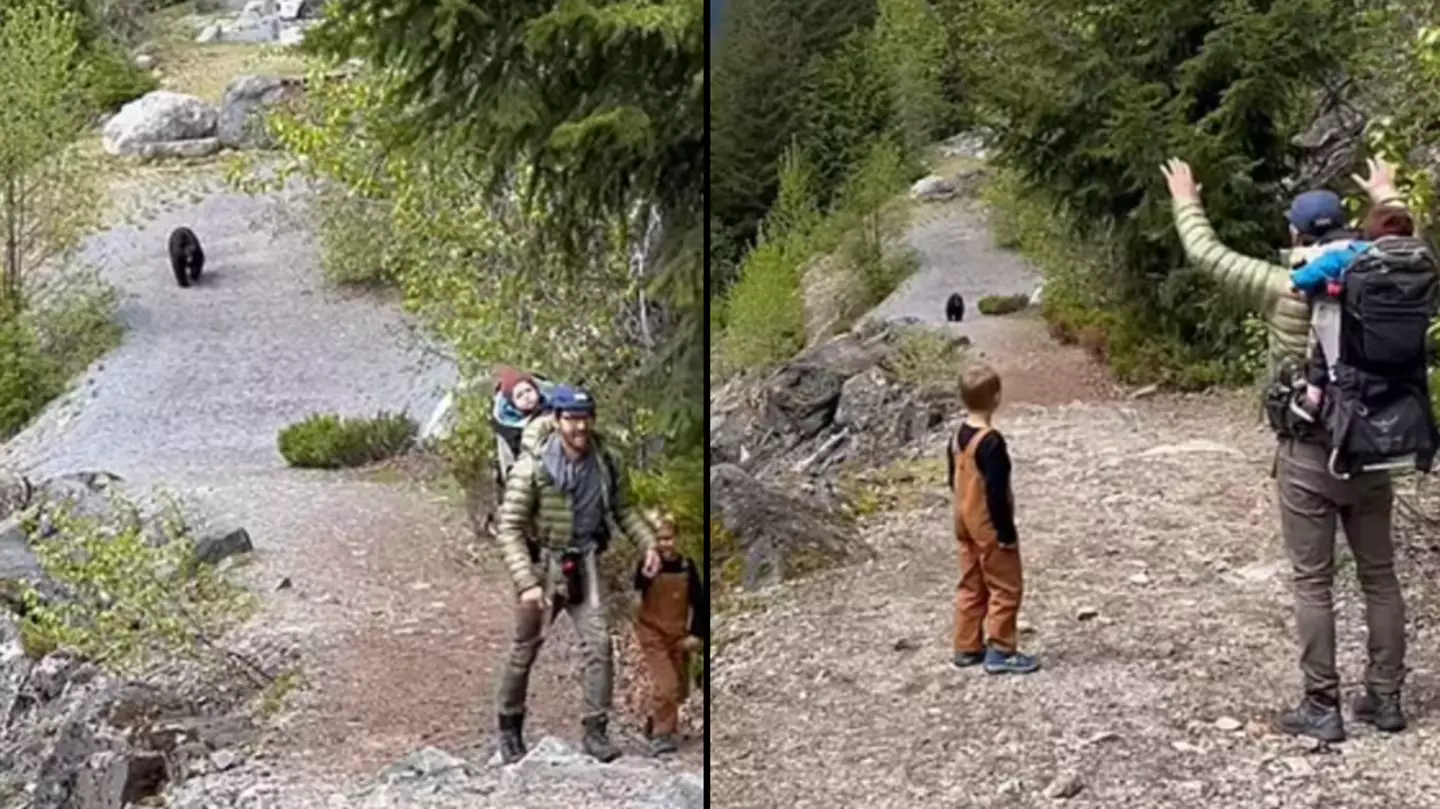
pixel 509 378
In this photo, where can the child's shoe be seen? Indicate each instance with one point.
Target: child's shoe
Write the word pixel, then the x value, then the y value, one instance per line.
pixel 998 662
pixel 663 744
pixel 967 659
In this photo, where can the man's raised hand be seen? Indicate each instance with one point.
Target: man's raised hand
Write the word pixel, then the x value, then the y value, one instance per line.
pixel 1181 181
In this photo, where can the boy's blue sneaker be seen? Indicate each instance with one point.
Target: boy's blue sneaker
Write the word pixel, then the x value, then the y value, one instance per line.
pixel 998 662
pixel 966 659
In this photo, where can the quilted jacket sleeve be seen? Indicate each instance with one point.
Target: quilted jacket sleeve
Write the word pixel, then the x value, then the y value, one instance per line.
pixel 516 512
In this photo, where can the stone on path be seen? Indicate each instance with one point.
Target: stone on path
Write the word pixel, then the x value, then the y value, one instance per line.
pixel 158 117
pixel 932 188
pixel 239 124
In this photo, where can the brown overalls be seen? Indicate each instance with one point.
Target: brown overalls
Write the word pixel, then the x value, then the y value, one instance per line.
pixel 988 596
pixel 661 625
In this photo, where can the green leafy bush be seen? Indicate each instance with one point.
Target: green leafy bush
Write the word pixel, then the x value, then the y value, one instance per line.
pixel 928 360
pixel 1002 304
pixel 327 441
pixel 115 80
pixel 128 603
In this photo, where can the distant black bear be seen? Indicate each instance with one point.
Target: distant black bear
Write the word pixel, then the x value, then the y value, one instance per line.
pixel 955 308
pixel 186 257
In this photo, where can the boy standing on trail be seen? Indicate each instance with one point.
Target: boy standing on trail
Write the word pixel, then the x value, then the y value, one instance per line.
pixel 987 601
pixel 670 625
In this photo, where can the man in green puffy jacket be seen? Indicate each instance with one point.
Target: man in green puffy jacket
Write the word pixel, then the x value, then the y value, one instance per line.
pixel 1312 500
pixel 564 500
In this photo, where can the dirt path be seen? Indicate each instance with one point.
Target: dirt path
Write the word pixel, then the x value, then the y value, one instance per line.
pixel 957 254
pixel 400 631
pixel 1156 597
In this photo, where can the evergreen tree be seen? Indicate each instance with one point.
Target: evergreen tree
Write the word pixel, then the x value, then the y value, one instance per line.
pixel 595 107
pixel 1088 100
pixel 768 63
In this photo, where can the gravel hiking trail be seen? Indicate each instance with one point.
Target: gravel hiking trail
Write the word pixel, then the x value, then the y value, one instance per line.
pixel 1156 598
pixel 400 624
pixel 957 254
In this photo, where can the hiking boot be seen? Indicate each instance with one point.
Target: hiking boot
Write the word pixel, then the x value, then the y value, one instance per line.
pixel 663 745
pixel 998 662
pixel 1381 710
pixel 512 738
pixel 1316 717
pixel 597 740
pixel 967 659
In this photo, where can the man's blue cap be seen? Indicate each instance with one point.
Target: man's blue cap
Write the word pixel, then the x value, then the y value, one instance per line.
pixel 1314 213
pixel 565 399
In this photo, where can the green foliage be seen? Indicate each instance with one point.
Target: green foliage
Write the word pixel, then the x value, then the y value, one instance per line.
pixel 114 78
pixel 1086 301
pixel 928 361
pixel 27 378
pixel 68 325
pixel 870 219
pixel 853 107
pixel 593 111
pixel 1087 101
pixel 764 314
pixel 768 67
pixel 327 441
pixel 129 604
pixel 670 486
pixel 910 50
pixel 1002 304
pixel 47 105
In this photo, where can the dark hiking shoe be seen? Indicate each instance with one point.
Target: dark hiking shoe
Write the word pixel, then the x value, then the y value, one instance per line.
pixel 512 738
pixel 663 745
pixel 597 740
pixel 1314 717
pixel 998 662
pixel 1381 710
pixel 966 659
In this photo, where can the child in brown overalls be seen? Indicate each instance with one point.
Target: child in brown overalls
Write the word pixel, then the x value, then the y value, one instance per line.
pixel 671 623
pixel 987 601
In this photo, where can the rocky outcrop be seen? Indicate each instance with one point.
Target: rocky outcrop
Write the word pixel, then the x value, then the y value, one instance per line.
pixel 837 401
pixel 770 536
pixel 241 124
pixel 160 117
pixel 78 738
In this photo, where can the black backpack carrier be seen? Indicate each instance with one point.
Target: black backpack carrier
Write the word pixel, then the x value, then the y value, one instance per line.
pixel 1377 401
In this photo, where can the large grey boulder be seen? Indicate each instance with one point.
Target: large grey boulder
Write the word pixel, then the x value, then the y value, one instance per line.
pixel 158 117
pixel 770 536
pixel 241 123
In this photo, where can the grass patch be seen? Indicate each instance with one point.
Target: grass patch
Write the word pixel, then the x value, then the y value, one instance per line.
pixel 276 696
pixel 928 360
pixel 41 350
pixel 899 486
pixel 186 66
pixel 327 441
pixel 1003 304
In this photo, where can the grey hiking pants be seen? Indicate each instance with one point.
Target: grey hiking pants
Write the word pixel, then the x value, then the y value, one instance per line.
pixel 587 613
pixel 1312 501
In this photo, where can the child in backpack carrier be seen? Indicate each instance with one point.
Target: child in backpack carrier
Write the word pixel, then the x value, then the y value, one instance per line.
pixel 1320 280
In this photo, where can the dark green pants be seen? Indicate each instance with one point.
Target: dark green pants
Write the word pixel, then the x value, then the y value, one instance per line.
pixel 1312 504
pixel 587 613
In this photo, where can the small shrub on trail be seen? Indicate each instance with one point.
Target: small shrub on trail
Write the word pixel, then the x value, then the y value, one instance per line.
pixel 1003 304
pixel 327 441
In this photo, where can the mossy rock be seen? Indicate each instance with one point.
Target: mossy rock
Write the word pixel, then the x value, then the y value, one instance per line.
pixel 1003 304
